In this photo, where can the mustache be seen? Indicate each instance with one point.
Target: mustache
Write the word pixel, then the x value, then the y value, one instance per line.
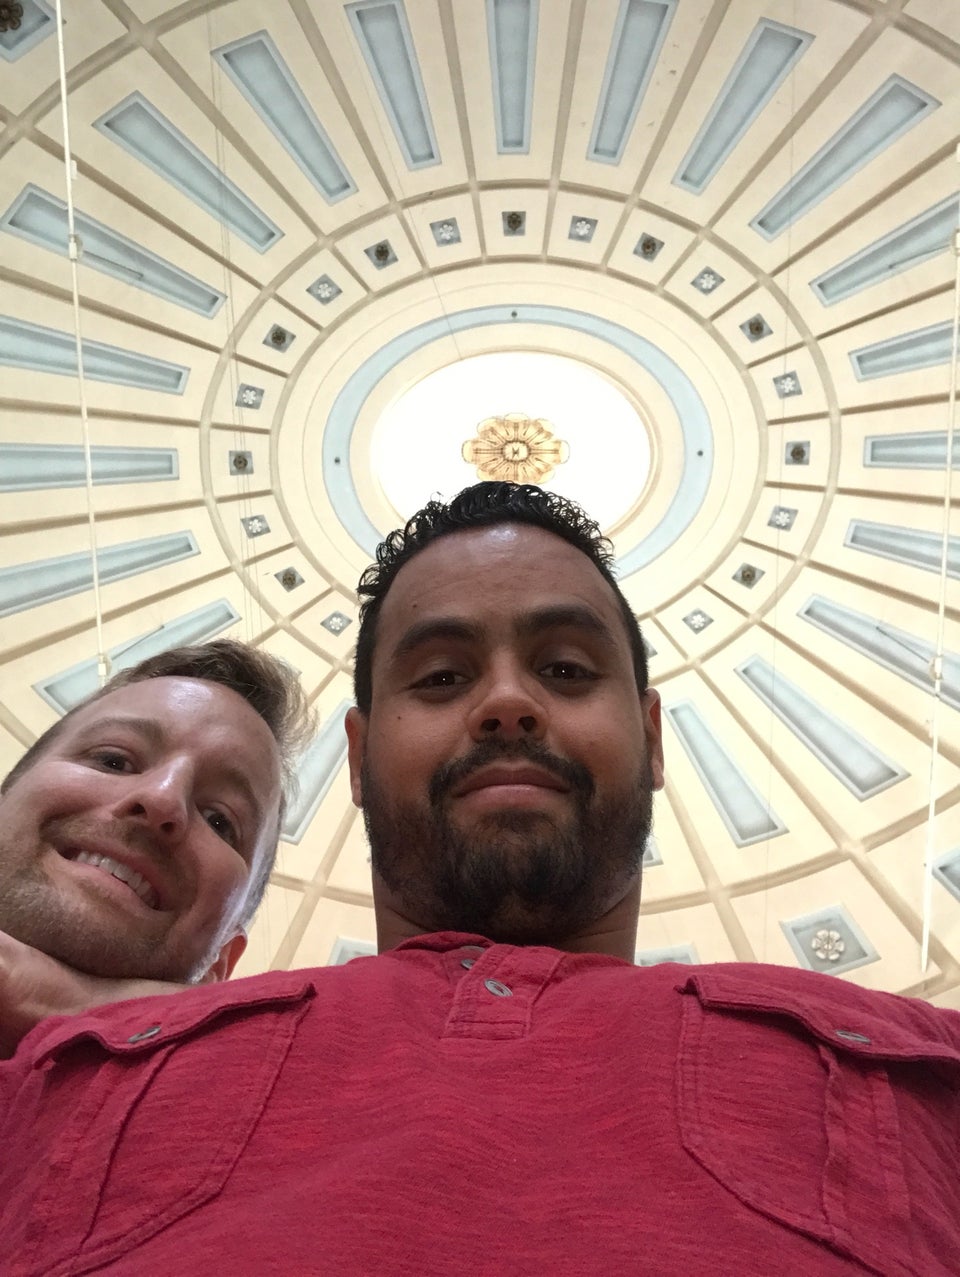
pixel 485 752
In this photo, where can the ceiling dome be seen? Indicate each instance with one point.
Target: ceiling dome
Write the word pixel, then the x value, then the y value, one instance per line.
pixel 690 262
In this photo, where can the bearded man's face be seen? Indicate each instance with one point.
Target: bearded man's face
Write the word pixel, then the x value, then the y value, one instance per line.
pixel 507 765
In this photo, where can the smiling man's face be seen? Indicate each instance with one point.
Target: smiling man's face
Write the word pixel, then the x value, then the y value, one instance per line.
pixel 128 848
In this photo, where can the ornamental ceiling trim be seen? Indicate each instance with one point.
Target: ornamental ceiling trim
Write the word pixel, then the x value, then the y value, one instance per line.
pixel 696 430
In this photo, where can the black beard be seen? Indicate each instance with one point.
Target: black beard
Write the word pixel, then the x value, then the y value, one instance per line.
pixel 519 877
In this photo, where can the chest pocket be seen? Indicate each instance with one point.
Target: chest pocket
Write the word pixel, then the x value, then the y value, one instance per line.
pixel 833 1112
pixel 138 1120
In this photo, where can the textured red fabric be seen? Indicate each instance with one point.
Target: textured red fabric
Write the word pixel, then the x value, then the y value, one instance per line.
pixel 454 1111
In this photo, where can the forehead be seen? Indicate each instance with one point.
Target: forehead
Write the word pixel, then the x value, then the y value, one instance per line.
pixel 490 575
pixel 165 699
pixel 185 713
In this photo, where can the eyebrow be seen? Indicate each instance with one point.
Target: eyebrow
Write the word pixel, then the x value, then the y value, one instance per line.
pixel 558 616
pixel 153 733
pixel 565 616
pixel 145 727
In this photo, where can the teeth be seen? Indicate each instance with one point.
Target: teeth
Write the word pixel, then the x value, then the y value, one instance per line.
pixel 135 881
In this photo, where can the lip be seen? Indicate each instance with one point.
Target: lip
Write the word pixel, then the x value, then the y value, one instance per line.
pixel 515 778
pixel 122 855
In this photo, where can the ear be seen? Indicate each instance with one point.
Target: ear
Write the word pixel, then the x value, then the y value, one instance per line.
pixel 226 959
pixel 356 726
pixel 652 731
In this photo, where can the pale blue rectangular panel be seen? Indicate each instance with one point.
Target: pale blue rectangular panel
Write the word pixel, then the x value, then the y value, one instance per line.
pixel 685 953
pixel 345 950
pixel 41 218
pixel 925 348
pixel 911 450
pixel 853 760
pixel 905 654
pixel 638 37
pixel 147 135
pixel 916 241
pixel 263 77
pixel 946 870
pixel 25 467
pixel 748 818
pixel 912 546
pixel 27 585
pixel 26 345
pixel 895 107
pixel 768 57
pixel 64 691
pixel 316 771
pixel 383 34
pixel 512 33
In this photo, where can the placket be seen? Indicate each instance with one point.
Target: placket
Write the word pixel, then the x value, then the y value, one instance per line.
pixel 496 988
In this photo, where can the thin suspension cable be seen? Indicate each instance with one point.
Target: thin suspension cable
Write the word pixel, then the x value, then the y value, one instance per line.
pixel 253 617
pixel 936 664
pixel 74 249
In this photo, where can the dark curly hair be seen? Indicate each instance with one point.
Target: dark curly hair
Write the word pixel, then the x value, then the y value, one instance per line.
pixel 481 506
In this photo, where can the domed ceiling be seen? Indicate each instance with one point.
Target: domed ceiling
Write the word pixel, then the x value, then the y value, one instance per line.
pixel 689 261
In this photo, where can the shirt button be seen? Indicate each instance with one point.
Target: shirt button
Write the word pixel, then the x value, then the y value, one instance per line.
pixel 497 989
pixel 145 1033
pixel 467 963
pixel 850 1036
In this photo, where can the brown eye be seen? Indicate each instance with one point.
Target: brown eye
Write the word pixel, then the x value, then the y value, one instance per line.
pixel 110 760
pixel 441 678
pixel 568 671
pixel 222 826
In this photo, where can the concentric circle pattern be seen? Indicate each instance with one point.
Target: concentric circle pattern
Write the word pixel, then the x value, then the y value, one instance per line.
pixel 737 219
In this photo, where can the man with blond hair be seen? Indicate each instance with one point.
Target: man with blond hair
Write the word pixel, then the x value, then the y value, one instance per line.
pixel 137 834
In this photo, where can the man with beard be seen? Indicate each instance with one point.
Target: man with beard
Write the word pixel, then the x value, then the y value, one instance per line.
pixel 138 833
pixel 499 1092
pixel 505 745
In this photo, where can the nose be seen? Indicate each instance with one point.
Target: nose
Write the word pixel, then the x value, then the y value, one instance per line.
pixel 509 706
pixel 158 799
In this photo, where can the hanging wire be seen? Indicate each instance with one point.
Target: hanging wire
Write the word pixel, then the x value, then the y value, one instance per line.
pixel 936 665
pixel 74 251
pixel 253 621
pixel 778 530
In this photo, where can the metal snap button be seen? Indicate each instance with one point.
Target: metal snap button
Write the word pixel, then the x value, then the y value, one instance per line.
pixel 497 989
pixel 145 1033
pixel 849 1036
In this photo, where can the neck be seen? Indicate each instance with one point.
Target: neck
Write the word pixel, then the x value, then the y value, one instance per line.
pixel 613 934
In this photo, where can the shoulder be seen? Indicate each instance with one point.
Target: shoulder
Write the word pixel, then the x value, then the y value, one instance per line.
pixel 833 1010
pixel 167 1017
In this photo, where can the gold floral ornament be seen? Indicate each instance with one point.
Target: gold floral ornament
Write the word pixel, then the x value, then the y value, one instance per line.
pixel 515 448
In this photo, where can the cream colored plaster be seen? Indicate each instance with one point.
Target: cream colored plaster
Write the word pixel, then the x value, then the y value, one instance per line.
pixel 898 965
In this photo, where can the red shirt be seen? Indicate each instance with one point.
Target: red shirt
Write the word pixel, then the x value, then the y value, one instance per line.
pixel 449 1111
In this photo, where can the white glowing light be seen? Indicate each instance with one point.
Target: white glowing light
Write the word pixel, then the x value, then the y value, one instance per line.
pixel 417 441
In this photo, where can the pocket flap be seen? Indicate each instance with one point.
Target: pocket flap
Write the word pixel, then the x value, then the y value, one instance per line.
pixel 827 1108
pixel 142 1025
pixel 861 1022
